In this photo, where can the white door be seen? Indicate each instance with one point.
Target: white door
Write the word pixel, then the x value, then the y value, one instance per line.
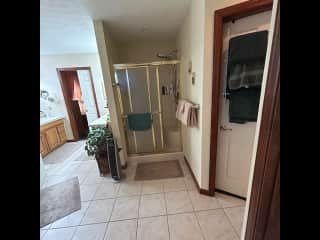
pixel 235 141
pixel 87 93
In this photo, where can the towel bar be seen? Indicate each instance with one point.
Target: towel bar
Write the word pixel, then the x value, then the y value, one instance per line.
pixel 125 115
pixel 196 106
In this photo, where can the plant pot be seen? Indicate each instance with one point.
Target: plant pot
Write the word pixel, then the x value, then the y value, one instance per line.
pixel 103 162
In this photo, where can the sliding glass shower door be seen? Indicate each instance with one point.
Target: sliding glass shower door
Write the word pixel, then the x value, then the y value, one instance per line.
pixel 145 89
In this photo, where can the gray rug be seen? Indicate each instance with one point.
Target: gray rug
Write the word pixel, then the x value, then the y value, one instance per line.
pixel 59 200
pixel 158 170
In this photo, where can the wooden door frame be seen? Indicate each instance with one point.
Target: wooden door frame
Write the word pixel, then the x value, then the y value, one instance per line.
pixel 264 209
pixel 65 96
pixel 222 16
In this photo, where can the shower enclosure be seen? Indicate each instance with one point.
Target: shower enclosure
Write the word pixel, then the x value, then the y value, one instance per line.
pixel 150 87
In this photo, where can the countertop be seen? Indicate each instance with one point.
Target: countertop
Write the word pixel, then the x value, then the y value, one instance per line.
pixel 102 121
pixel 46 120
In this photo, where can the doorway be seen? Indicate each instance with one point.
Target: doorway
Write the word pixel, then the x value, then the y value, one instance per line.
pixel 262 212
pixel 80 99
pixel 239 99
pixel 232 137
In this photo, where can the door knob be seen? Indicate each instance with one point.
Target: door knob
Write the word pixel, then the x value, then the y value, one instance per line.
pixel 225 129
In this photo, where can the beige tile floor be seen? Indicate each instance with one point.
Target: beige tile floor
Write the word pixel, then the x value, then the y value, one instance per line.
pixel 168 209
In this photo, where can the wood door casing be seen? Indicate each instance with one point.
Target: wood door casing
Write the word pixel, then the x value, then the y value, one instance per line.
pixel 79 124
pixel 264 209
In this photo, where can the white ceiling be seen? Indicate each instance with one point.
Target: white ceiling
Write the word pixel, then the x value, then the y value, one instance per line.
pixel 66 26
pixel 139 19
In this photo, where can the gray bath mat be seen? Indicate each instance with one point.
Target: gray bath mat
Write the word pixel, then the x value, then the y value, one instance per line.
pixel 59 200
pixel 158 170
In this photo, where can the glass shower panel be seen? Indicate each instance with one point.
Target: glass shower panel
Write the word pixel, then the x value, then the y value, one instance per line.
pixel 155 107
pixel 171 126
pixel 124 95
pixel 133 86
pixel 137 78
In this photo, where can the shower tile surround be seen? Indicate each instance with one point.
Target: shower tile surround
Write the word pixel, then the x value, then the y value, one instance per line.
pixel 153 210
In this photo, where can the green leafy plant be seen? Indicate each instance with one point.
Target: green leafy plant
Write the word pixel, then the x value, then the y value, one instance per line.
pixel 97 140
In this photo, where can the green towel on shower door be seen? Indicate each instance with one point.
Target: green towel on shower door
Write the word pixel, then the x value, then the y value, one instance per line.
pixel 139 121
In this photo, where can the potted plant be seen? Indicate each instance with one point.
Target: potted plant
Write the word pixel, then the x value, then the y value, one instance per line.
pixel 96 145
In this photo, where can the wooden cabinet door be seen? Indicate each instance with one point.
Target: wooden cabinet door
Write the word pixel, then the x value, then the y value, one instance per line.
pixel 62 133
pixel 44 150
pixel 53 139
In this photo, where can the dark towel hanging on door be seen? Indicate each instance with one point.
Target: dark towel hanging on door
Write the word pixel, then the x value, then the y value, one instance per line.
pixel 246 57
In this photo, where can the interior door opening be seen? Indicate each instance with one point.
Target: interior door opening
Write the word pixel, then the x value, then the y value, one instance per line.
pixel 80 99
pixel 243 55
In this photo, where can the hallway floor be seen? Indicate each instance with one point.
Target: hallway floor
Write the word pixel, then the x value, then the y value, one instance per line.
pixel 140 210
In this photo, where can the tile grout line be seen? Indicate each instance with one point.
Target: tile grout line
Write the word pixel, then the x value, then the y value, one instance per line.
pixel 194 213
pixel 201 230
pixel 165 193
pixel 46 230
pixel 105 231
pixel 139 204
pixel 165 205
pixel 84 213
pixel 51 227
pixel 167 215
pixel 126 219
pixel 233 227
pixel 108 220
pixel 113 206
pixel 74 232
pixel 90 202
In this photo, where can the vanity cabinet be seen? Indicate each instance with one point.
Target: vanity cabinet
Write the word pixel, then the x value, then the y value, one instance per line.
pixel 52 135
pixel 44 148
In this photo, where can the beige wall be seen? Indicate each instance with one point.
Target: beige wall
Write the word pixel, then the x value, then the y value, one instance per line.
pixel 49 80
pixel 108 56
pixel 211 7
pixel 190 48
pixel 144 51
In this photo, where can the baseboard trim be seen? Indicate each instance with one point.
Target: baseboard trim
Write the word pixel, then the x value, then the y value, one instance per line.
pixel 193 177
pixel 200 190
pixel 230 194
pixel 72 140
pixel 206 192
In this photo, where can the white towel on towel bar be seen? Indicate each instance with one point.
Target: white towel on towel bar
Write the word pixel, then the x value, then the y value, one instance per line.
pixel 186 113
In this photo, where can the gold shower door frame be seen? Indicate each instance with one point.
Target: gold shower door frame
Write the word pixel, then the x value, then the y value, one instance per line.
pixel 146 66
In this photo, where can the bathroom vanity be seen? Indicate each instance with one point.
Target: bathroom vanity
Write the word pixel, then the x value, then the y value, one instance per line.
pixel 52 134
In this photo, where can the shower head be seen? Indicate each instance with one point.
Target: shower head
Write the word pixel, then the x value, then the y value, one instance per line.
pixel 170 56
